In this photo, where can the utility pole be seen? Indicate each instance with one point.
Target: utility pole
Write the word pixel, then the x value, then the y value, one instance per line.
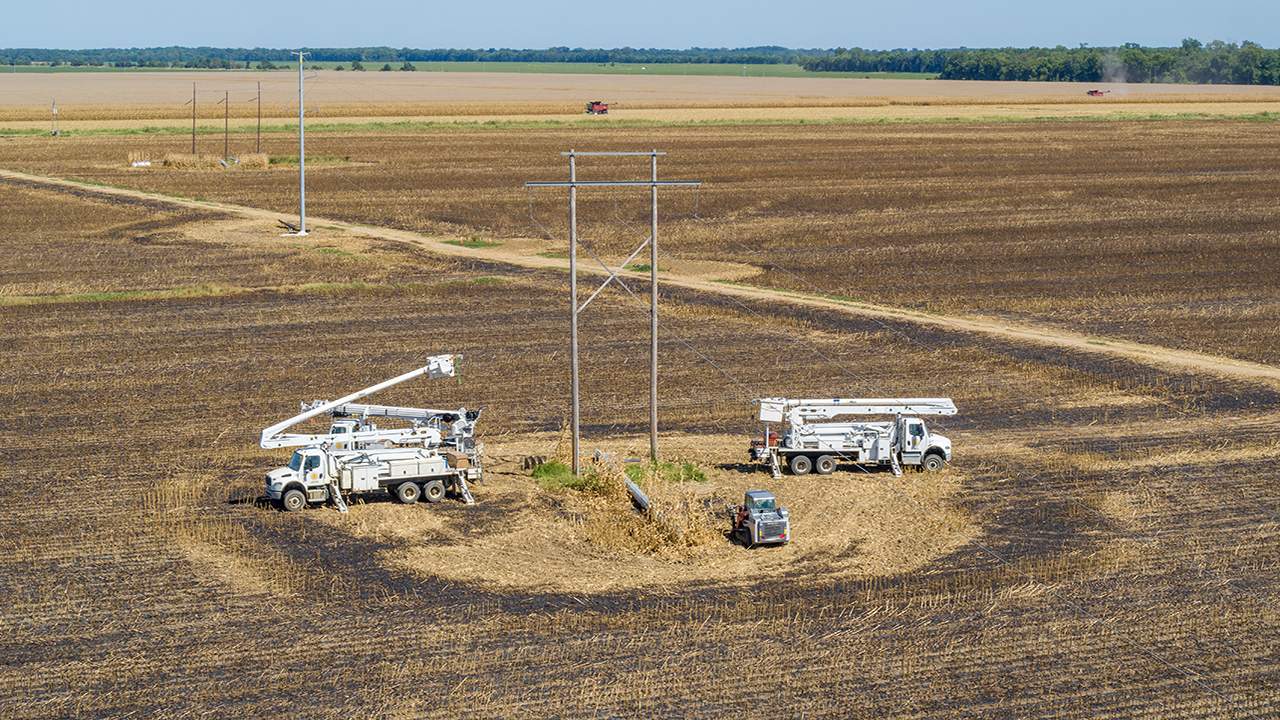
pixel 653 314
pixel 302 154
pixel 576 309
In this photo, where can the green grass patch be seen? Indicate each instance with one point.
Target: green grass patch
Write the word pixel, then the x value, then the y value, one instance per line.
pixel 555 475
pixel 472 281
pixel 473 241
pixel 324 287
pixel 336 251
pixel 667 472
pixel 206 289
pixel 644 267
pixel 190 291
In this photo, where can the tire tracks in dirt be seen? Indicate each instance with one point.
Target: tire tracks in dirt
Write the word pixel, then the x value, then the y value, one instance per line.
pixel 1181 360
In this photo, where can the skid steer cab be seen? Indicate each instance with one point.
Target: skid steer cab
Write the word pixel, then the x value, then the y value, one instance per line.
pixel 759 520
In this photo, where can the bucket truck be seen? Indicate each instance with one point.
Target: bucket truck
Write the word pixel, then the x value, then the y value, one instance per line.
pixel 356 456
pixel 807 443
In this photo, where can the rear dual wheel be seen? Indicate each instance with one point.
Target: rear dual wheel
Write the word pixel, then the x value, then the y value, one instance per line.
pixel 801 464
pixel 408 493
pixel 433 491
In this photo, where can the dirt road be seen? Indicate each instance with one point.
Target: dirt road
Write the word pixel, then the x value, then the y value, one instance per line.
pixel 703 276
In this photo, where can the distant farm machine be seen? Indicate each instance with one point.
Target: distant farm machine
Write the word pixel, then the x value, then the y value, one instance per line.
pixel 595 107
pixel 1097 93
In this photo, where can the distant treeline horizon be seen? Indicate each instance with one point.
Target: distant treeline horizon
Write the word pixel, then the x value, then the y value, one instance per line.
pixel 200 57
pixel 1246 63
pixel 1217 62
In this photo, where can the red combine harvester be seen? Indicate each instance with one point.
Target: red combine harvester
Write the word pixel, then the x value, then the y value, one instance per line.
pixel 1098 93
pixel 595 107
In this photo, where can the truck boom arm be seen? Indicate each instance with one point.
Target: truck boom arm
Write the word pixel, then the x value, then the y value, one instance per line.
pixel 437 366
pixel 778 409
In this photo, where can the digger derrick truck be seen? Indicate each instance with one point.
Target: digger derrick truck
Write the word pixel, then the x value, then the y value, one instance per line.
pixel 807 444
pixel 355 456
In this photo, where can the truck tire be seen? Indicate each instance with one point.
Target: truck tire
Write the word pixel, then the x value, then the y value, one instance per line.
pixel 825 465
pixel 408 493
pixel 801 464
pixel 433 491
pixel 932 462
pixel 293 500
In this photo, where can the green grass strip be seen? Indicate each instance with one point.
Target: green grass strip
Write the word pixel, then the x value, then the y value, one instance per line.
pixel 211 289
pixel 470 126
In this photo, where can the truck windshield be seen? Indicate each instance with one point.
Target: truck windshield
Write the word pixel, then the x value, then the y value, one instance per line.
pixel 295 463
pixel 764 504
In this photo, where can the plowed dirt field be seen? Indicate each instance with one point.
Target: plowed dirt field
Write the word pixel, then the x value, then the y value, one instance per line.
pixel 1097 297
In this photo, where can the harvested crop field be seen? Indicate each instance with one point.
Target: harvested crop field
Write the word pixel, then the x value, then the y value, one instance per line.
pixel 1103 545
pixel 121 101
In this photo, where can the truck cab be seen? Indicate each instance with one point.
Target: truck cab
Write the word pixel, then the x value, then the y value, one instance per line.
pixel 305 479
pixel 921 447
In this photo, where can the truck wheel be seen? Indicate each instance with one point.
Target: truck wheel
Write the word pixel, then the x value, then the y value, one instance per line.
pixel 933 462
pixel 434 491
pixel 293 500
pixel 825 465
pixel 801 464
pixel 408 493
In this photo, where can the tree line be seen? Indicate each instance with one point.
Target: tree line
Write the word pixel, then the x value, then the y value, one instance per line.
pixel 1217 62
pixel 231 58
pixel 1246 63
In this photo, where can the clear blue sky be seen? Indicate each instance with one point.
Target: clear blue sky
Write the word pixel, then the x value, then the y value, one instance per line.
pixel 671 24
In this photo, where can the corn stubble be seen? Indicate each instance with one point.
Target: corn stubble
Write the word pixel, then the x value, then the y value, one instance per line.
pixel 141 575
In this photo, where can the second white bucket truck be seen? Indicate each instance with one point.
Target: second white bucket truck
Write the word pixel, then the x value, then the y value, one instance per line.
pixel 807 443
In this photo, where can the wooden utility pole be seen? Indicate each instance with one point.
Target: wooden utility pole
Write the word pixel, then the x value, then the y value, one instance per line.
pixel 575 308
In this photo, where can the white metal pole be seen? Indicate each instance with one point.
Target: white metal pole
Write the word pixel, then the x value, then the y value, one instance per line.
pixel 653 313
pixel 302 155
pixel 573 298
